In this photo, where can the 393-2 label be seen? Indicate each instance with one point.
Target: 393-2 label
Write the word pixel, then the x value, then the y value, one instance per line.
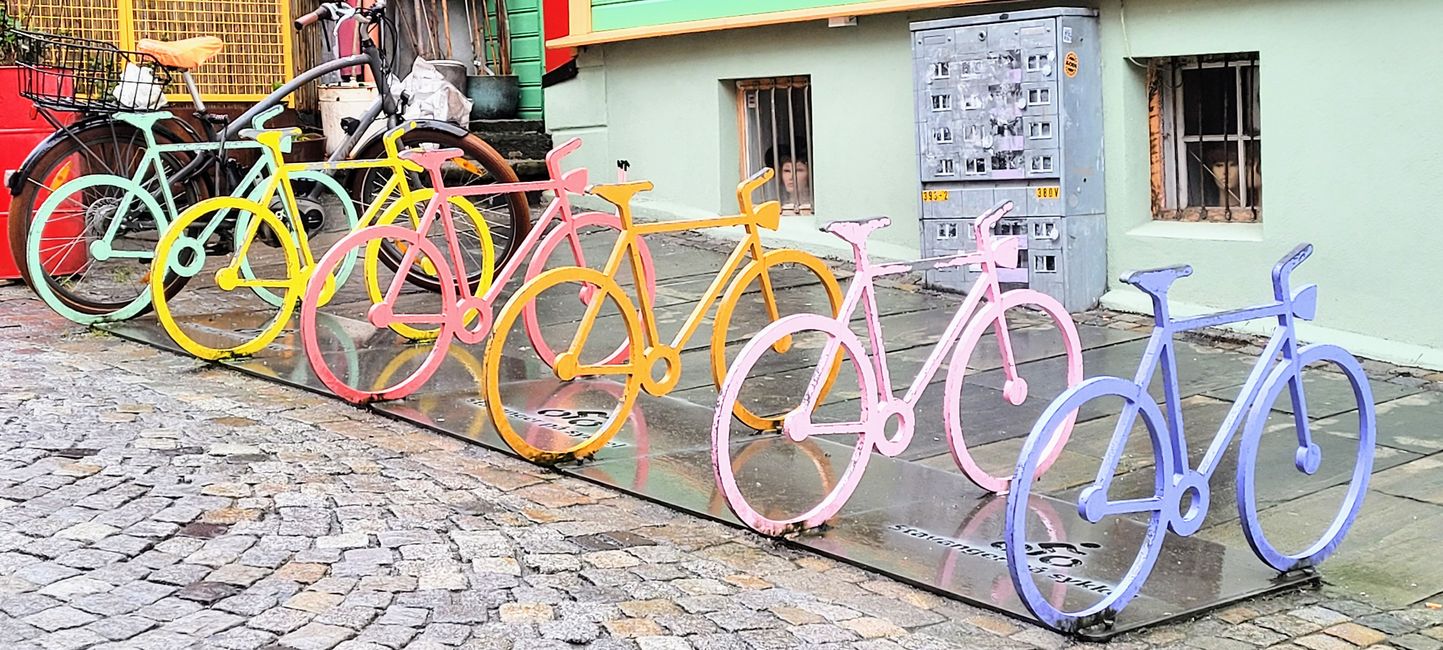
pixel 934 195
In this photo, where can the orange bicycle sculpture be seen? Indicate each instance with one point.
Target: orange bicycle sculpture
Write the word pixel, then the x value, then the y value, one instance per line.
pixel 641 360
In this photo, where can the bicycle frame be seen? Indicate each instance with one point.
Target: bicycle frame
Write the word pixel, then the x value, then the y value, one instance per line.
pixel 271 174
pixel 1161 350
pixel 561 183
pixel 991 253
pixel 752 219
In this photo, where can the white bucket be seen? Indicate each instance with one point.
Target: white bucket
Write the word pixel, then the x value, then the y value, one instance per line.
pixel 339 102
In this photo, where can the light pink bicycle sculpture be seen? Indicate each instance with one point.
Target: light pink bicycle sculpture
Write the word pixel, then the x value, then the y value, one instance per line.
pixel 459 312
pixel 880 409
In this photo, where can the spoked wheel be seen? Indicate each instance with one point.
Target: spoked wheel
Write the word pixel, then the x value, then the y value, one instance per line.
pixel 812 290
pixel 515 373
pixel 89 249
pixel 1128 519
pixel 80 185
pixel 373 321
pixel 1331 458
pixel 778 495
pixel 223 314
pixel 325 219
pixel 1018 314
pixel 507 216
pixel 555 251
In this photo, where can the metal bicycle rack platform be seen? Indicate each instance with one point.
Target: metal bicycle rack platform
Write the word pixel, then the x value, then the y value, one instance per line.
pixel 916 523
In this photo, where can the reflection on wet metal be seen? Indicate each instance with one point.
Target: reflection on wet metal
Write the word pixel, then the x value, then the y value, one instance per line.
pixel 928 527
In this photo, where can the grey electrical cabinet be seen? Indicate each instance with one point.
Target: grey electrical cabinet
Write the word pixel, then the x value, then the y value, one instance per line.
pixel 1009 107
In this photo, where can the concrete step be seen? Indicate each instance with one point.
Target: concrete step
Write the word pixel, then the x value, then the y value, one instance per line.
pixel 484 127
pixel 519 146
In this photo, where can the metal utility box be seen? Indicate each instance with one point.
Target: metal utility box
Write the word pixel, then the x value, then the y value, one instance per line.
pixel 1009 107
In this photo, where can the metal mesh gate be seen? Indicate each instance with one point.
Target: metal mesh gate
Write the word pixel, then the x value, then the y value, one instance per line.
pixel 257 57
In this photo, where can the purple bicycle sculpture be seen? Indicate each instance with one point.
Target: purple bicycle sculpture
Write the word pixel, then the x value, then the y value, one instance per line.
pixel 1178 497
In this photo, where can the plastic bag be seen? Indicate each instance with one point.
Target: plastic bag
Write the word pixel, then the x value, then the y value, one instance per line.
pixel 138 89
pixel 432 97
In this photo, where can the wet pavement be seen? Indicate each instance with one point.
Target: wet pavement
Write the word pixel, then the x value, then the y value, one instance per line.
pixel 914 518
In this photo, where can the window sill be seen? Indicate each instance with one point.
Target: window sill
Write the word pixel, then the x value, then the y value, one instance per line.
pixel 1202 230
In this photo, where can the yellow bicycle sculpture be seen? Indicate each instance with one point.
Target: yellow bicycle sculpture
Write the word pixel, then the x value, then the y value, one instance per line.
pixel 644 351
pixel 182 250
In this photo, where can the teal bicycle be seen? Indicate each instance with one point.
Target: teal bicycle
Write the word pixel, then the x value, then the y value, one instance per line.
pixel 108 225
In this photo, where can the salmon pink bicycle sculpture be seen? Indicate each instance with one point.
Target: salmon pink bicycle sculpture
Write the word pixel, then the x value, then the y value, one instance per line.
pixel 1177 496
pixel 459 311
pixel 879 406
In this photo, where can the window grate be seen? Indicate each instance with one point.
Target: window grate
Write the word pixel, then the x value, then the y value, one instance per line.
pixel 775 117
pixel 1206 138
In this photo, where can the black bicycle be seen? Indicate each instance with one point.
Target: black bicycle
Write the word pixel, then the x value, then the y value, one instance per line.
pixel 79 85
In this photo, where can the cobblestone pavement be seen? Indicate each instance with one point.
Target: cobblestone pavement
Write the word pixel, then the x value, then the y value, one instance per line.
pixel 152 501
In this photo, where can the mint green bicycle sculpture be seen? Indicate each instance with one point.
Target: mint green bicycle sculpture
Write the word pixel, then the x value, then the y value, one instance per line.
pixel 107 217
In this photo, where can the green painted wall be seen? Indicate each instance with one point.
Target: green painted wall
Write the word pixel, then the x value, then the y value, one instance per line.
pixel 1353 146
pixel 619 14
pixel 527 53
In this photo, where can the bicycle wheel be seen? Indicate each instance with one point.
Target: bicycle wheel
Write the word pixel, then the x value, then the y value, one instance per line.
pixel 514 376
pixel 82 272
pixel 1058 332
pixel 326 219
pixel 108 147
pixel 473 240
pixel 60 222
pixel 425 310
pixel 507 216
pixel 1101 578
pixel 1310 460
pixel 586 224
pixel 804 273
pixel 781 480
pixel 214 321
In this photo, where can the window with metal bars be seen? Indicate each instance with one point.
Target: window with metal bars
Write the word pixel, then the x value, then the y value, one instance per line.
pixel 1206 138
pixel 775 122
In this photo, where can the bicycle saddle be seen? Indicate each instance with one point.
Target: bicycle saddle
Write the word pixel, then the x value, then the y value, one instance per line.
pixel 619 194
pixel 1157 281
pixel 432 158
pixel 856 231
pixel 185 54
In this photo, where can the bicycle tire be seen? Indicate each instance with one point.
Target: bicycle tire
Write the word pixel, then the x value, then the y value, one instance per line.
pixel 787 329
pixel 512 220
pixel 1272 389
pixel 87 143
pixel 507 321
pixel 548 247
pixel 991 317
pixel 739 287
pixel 363 390
pixel 1039 443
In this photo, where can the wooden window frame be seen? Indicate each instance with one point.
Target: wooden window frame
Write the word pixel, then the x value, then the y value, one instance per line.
pixel 1168 145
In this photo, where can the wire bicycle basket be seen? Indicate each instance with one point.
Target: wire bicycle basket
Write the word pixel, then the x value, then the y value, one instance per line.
pixel 70 73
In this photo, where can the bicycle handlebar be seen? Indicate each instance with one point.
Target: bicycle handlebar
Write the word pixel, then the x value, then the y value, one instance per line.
pixel 769 213
pixel 1289 263
pixel 259 121
pixel 982 227
pixel 311 18
pixel 554 157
